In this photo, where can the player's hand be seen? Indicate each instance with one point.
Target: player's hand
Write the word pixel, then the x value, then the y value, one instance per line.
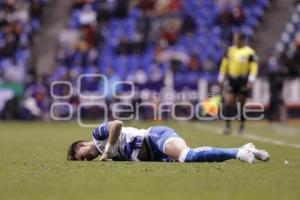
pixel 249 86
pixel 105 157
pixel 221 85
pixel 106 160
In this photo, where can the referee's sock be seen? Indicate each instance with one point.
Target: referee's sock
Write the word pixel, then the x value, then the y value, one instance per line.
pixel 242 122
pixel 228 112
pixel 228 124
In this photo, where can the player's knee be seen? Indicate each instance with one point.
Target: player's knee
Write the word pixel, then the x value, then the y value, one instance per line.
pixel 229 99
pixel 174 146
pixel 187 155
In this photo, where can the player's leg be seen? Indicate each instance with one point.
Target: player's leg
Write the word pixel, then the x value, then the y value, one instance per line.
pixel 176 148
pixel 165 142
pixel 242 101
pixel 228 110
pixel 242 92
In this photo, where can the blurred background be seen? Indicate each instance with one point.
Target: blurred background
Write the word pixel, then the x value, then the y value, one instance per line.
pixel 161 46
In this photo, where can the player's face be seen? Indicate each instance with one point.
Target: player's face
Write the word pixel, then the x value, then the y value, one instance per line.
pixel 86 152
pixel 238 40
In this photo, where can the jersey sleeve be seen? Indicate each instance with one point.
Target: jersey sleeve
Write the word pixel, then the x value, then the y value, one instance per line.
pixel 223 68
pixel 253 62
pixel 101 132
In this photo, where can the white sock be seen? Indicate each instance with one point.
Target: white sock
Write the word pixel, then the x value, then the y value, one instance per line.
pixel 183 155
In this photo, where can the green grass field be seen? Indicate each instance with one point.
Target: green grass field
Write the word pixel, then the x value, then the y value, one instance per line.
pixel 33 166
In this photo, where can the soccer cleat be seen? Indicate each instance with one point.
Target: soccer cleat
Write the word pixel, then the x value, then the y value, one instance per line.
pixel 258 153
pixel 262 155
pixel 241 130
pixel 226 130
pixel 245 155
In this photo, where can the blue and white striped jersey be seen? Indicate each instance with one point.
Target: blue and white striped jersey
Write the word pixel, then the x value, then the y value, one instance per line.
pixel 127 146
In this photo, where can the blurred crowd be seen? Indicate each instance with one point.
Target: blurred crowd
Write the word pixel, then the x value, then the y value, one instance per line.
pixel 146 42
pixel 19 21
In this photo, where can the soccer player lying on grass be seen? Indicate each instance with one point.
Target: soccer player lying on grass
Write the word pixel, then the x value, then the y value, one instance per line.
pixel 114 142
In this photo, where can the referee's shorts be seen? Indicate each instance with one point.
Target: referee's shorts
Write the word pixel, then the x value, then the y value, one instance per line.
pixel 237 86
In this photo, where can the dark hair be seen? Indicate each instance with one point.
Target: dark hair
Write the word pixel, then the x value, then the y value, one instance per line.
pixel 73 150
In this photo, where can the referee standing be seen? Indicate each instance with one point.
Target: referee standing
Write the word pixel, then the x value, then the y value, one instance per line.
pixel 239 67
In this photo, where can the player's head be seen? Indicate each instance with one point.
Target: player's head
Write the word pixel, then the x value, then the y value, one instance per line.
pixel 239 39
pixel 82 150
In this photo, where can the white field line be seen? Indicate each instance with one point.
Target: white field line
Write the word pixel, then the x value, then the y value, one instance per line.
pixel 271 141
pixel 284 130
pixel 250 136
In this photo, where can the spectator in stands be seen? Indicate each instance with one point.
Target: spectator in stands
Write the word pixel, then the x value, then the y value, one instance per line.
pixel 14 72
pixel 87 15
pixel 36 9
pixel 91 35
pixel 194 64
pixel 36 101
pixel 209 65
pixel 121 10
pixel 276 79
pixel 136 46
pixel 175 5
pixel 144 26
pixel 106 11
pixel 147 5
pixel 176 58
pixel 162 7
pixel 139 77
pixel 12 37
pixel 224 21
pixel 170 31
pixel 80 55
pixel 189 25
pixel 68 38
pixel 294 62
pixel 124 47
pixel 237 16
pixel 155 74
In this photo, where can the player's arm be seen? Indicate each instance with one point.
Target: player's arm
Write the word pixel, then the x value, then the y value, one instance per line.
pixel 223 69
pixel 114 128
pixel 253 69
